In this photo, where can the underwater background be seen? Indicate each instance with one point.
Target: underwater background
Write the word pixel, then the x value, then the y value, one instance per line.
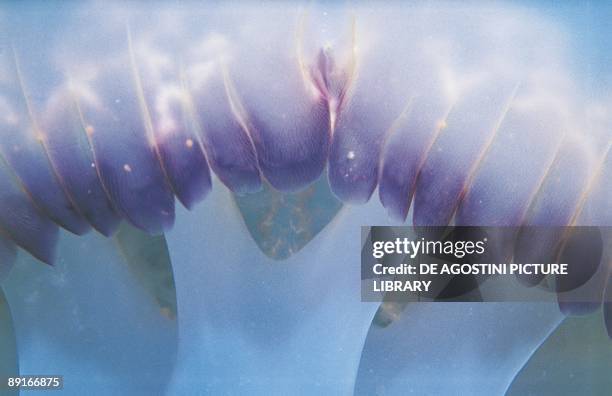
pixel 258 291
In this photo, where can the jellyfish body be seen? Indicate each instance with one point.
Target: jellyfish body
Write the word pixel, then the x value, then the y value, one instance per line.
pixel 442 120
pixel 454 121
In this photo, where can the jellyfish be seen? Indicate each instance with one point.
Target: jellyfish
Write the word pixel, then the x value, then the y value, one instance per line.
pixel 197 175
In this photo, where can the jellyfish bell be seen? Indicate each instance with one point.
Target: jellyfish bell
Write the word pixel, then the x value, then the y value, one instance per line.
pixel 452 118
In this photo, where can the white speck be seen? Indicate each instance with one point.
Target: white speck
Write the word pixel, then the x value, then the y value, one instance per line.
pixel 127 168
pixel 189 143
pixel 350 155
pixel 93 165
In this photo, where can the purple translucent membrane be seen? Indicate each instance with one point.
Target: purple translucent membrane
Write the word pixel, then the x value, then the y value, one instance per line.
pixel 380 88
pixel 186 168
pixel 529 132
pixel 594 209
pixel 407 149
pixel 173 125
pixel 22 221
pixel 554 205
pixel 470 126
pixel 557 200
pixel 226 139
pixel 594 206
pixel 355 151
pixel 72 157
pixel 22 146
pixel 125 151
pixel 292 156
pixel 291 127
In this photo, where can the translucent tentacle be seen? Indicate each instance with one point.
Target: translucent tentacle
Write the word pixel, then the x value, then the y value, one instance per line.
pixel 89 320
